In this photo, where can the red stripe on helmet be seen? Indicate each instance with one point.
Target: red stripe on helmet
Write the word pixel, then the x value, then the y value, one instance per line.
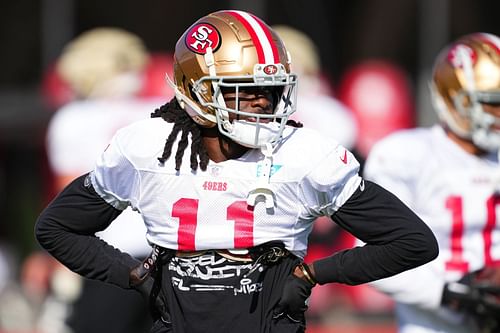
pixel 255 38
pixel 266 30
pixel 491 40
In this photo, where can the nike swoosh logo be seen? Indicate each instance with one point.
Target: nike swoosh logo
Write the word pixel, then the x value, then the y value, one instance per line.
pixel 344 159
pixel 362 185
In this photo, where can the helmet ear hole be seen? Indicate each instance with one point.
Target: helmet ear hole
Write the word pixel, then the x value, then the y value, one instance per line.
pixel 462 102
pixel 192 94
pixel 465 101
pixel 203 95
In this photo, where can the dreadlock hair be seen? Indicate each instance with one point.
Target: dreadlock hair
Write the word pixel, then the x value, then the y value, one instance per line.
pixel 171 112
pixel 293 123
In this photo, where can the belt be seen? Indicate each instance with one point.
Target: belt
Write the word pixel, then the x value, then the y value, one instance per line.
pixel 267 253
pixel 237 255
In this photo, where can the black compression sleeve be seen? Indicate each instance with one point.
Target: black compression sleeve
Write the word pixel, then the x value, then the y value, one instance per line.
pixel 396 239
pixel 67 227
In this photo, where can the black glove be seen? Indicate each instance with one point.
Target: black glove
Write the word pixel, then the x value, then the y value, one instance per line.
pixel 294 298
pixel 477 296
pixel 157 304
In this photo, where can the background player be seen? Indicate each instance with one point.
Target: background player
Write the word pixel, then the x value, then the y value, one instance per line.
pixel 449 175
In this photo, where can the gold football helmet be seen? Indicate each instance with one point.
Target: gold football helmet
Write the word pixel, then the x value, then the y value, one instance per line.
pixel 466 74
pixel 104 62
pixel 230 51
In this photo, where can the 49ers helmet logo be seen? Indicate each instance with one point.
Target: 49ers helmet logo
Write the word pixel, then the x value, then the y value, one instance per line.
pixel 458 52
pixel 270 69
pixel 202 36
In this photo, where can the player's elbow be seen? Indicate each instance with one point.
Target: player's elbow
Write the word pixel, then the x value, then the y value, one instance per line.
pixel 427 248
pixel 45 231
pixel 41 231
pixel 432 248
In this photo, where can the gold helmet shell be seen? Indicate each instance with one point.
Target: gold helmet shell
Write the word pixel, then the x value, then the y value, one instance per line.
pixel 466 74
pixel 103 61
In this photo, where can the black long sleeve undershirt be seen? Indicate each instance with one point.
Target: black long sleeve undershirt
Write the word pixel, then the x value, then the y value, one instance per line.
pixel 396 239
pixel 67 227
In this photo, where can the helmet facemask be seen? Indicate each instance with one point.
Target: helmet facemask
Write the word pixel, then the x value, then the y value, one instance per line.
pixel 482 132
pixel 234 123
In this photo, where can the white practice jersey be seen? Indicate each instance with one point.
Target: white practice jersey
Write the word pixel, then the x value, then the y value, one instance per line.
pixel 456 194
pixel 78 133
pixel 311 175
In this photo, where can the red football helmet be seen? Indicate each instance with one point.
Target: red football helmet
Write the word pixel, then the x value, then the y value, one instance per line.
pixel 233 50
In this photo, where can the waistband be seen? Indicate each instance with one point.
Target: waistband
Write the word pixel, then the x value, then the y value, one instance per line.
pixel 226 253
pixel 266 253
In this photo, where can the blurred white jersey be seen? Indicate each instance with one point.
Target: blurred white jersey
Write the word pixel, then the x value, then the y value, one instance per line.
pixel 78 133
pixel 311 175
pixel 456 194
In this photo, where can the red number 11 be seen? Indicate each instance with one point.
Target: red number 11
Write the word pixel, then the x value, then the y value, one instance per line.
pixel 186 210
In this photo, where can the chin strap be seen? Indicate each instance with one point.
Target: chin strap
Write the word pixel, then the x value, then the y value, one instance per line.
pixel 263 189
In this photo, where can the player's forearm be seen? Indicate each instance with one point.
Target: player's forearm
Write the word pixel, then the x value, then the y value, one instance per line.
pixel 397 240
pixel 368 263
pixel 88 256
pixel 66 230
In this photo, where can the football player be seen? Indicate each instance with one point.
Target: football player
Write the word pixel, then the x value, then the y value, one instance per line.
pixel 228 189
pixel 449 174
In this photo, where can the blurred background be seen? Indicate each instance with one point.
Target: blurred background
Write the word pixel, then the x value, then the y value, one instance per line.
pixel 374 57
